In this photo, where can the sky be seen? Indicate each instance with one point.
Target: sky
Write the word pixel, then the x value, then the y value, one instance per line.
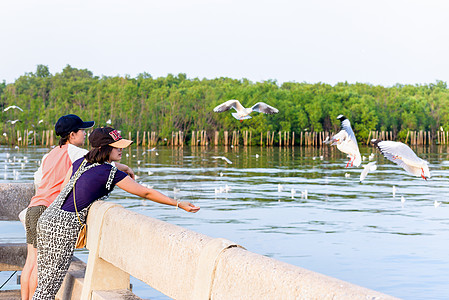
pixel 380 42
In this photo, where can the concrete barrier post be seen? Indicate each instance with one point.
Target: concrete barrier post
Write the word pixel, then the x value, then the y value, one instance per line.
pixel 100 274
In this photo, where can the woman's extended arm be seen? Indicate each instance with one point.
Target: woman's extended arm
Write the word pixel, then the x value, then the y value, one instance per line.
pixel 129 185
pixel 125 169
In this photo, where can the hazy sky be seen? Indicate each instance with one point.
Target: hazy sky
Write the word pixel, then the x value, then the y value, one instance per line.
pixel 379 41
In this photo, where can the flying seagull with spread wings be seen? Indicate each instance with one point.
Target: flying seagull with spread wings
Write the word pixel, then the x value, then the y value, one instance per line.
pixel 404 156
pixel 244 113
pixel 346 142
pixel 13 106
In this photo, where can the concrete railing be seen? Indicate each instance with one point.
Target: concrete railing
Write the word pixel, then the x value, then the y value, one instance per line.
pixel 184 264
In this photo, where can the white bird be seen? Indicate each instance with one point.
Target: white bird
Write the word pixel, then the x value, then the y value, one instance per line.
pixel 13 122
pixel 304 194
pixel 346 142
pixel 223 158
pixel 436 203
pixel 244 113
pixel 227 188
pixel 293 191
pixel 369 167
pixel 109 122
pixel 402 200
pixel 150 173
pixel 404 156
pixel 221 174
pixel 257 155
pixel 280 188
pixel 40 121
pixel 152 149
pixel 347 175
pixel 394 191
pixel 13 106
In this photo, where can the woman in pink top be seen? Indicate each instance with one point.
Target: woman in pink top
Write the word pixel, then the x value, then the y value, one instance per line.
pixel 49 178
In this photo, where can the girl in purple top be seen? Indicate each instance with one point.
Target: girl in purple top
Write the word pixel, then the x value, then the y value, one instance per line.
pixel 91 178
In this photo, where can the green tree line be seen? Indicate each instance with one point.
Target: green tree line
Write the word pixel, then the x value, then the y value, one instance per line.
pixel 175 102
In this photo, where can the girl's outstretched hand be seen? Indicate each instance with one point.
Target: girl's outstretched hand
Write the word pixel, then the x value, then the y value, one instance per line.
pixel 189 207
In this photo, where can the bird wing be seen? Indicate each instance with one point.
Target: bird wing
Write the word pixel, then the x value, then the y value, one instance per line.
pixel 262 107
pixel 346 126
pixel 400 153
pixel 223 158
pixel 403 155
pixel 369 167
pixel 13 106
pixel 228 105
pixel 227 160
pixel 364 173
pixel 338 138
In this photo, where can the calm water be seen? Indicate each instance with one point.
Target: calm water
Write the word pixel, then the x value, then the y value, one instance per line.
pixel 357 232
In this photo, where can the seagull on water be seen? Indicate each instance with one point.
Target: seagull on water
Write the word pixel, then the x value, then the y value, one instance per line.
pixel 369 167
pixel 13 106
pixel 404 156
pixel 223 158
pixel 346 142
pixel 244 113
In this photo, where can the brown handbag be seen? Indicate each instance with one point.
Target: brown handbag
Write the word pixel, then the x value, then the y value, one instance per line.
pixel 82 238
pixel 82 235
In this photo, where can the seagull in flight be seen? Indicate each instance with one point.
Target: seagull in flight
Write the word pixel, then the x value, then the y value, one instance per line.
pixel 13 106
pixel 13 122
pixel 346 142
pixel 369 167
pixel 244 113
pixel 404 156
pixel 223 158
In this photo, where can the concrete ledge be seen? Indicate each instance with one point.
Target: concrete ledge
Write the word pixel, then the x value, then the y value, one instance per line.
pixel 12 256
pixel 14 197
pixel 170 258
pixel 238 269
pixel 167 257
pixel 10 295
pixel 114 295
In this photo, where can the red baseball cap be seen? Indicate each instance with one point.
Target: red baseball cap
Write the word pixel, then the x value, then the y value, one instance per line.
pixel 108 136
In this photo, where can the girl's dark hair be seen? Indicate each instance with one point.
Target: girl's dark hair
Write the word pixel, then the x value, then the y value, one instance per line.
pixel 63 140
pixel 99 155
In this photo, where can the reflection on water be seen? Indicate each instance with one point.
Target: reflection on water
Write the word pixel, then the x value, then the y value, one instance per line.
pixel 353 231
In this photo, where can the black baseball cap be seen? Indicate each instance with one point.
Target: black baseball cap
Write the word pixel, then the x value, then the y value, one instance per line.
pixel 69 123
pixel 108 136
